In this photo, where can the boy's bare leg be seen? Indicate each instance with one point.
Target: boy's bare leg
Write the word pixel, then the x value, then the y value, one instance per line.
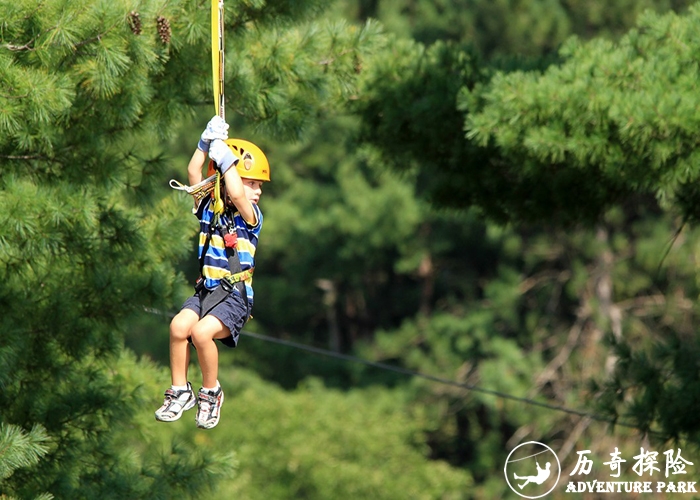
pixel 177 401
pixel 180 329
pixel 203 335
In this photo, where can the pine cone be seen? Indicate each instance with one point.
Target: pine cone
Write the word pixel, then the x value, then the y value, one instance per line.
pixel 135 22
pixel 358 64
pixel 164 29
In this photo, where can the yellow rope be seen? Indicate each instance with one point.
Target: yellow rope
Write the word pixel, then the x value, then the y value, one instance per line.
pixel 218 202
pixel 217 53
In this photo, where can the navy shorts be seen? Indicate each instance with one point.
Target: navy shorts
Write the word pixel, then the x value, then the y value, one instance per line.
pixel 231 312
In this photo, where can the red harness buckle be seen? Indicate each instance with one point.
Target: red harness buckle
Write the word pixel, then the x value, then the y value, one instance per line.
pixel 230 240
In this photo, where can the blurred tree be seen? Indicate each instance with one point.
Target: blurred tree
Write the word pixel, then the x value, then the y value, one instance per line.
pixel 360 443
pixel 543 330
pixel 499 28
pixel 339 226
pixel 614 122
pixel 601 146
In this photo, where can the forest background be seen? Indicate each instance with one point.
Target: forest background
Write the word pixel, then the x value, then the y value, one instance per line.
pixel 493 203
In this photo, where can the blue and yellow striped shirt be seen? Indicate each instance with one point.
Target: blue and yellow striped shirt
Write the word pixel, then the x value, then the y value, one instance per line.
pixel 215 261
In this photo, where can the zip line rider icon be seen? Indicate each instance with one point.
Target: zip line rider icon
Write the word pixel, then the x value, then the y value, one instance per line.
pixel 541 477
pixel 524 474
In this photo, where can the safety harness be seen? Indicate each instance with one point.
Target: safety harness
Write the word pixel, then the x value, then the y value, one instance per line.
pixel 234 279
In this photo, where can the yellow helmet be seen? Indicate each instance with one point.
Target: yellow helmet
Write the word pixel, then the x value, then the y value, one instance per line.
pixel 253 163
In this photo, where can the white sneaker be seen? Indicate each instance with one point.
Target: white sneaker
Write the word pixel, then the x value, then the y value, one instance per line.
pixel 209 409
pixel 175 404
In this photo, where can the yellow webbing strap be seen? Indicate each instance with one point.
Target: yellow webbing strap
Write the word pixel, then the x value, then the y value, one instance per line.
pixel 238 277
pixel 218 202
pixel 217 54
pixel 217 69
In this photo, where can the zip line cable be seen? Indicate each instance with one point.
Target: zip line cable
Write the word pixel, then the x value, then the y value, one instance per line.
pixel 441 380
pixel 433 378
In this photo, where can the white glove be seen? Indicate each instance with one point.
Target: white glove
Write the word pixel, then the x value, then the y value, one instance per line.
pixel 217 128
pixel 222 155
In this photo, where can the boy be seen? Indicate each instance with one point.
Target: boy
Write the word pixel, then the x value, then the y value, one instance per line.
pixel 223 294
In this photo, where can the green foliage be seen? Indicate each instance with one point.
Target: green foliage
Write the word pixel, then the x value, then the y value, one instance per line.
pixel 330 444
pixel 614 120
pixel 334 249
pixel 493 27
pixel 19 448
pixel 654 383
pixel 544 145
pixel 482 347
pixel 95 447
pixel 408 110
pixel 93 117
pixel 498 28
pixel 89 232
pixel 283 80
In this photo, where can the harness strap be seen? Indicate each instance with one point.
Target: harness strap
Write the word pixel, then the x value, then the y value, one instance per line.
pixel 205 248
pixel 235 278
pixel 234 265
pixel 239 277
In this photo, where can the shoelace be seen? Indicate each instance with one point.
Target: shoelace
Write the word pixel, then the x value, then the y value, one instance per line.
pixel 206 402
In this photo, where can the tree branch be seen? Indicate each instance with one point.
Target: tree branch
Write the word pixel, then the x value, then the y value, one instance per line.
pixel 23 157
pixel 17 48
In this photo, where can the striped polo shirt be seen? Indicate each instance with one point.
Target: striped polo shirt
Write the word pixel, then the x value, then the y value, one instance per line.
pixel 215 261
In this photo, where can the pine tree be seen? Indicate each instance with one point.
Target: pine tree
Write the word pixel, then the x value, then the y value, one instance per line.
pixel 497 28
pixel 613 122
pixel 89 233
pixel 21 449
pixel 604 140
